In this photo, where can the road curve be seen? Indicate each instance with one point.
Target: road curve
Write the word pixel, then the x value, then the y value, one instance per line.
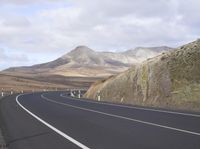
pixel 52 120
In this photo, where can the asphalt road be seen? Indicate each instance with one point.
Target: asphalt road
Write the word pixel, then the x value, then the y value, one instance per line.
pixel 53 121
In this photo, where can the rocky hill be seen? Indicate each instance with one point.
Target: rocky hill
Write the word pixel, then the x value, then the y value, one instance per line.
pixel 79 68
pixel 170 80
pixel 85 62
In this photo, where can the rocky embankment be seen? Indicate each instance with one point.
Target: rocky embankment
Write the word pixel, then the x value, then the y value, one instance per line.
pixel 170 80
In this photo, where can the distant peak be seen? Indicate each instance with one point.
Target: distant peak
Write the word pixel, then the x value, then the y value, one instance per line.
pixel 158 47
pixel 82 49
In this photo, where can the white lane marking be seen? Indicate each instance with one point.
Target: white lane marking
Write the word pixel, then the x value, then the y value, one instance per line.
pixel 51 127
pixel 138 108
pixel 122 117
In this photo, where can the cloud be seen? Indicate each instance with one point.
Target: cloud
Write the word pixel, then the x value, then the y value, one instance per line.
pixel 25 2
pixel 52 28
pixel 17 22
pixel 12 59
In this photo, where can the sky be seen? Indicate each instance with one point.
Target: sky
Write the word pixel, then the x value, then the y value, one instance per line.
pixel 37 31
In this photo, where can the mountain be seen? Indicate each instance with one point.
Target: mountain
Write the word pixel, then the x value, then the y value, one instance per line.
pixel 84 62
pixel 143 53
pixel 170 80
pixel 77 69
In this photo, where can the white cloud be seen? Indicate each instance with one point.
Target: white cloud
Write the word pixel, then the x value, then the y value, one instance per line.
pixel 9 59
pixel 43 27
pixel 24 2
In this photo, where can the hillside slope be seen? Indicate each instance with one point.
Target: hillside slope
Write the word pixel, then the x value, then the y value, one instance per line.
pixel 170 80
pixel 78 68
pixel 85 62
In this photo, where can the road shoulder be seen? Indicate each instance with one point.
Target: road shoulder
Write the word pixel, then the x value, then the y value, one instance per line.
pixel 3 144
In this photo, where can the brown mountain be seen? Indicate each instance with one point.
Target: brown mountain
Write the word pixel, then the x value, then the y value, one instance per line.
pixel 78 68
pixel 85 62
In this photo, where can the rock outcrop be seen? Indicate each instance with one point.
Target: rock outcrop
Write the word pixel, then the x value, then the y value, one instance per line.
pixel 170 80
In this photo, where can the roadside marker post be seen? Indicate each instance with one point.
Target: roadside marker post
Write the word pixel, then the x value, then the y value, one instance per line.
pixel 2 93
pixel 71 93
pixel 98 96
pixel 11 92
pixel 79 93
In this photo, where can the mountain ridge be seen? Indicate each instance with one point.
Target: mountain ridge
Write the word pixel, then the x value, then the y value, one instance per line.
pixel 85 57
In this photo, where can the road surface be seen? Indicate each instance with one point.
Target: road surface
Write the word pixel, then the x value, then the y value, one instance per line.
pixel 52 120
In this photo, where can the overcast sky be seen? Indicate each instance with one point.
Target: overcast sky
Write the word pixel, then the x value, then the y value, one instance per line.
pixel 35 31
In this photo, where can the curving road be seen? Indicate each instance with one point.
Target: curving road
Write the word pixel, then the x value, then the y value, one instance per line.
pixel 52 120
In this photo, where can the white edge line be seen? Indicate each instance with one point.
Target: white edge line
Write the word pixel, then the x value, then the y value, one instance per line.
pixel 138 108
pixel 122 117
pixel 51 127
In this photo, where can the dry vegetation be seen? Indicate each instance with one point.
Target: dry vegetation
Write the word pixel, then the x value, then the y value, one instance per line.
pixel 170 80
pixel 40 83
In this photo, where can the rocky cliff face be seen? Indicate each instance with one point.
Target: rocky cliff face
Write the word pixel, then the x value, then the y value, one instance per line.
pixel 171 80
